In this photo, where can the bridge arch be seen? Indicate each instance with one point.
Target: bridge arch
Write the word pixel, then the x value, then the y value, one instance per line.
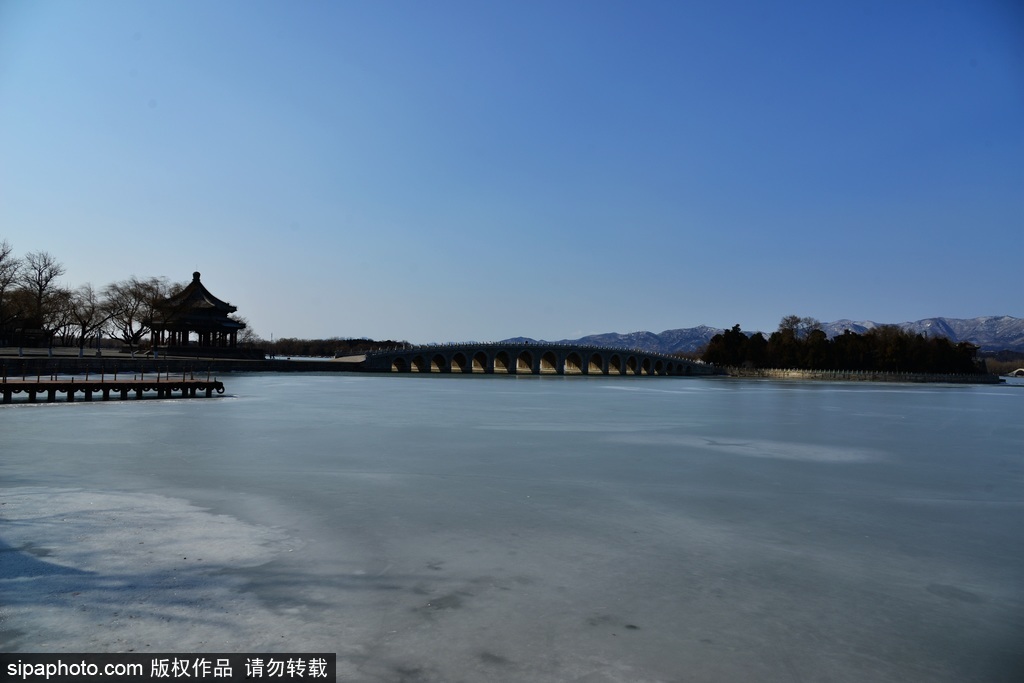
pixel 480 362
pixel 524 363
pixel 596 364
pixel 615 365
pixel 631 365
pixel 548 363
pixel 418 364
pixel 459 362
pixel 438 363
pixel 503 363
pixel 399 365
pixel 659 367
pixel 645 367
pixel 573 364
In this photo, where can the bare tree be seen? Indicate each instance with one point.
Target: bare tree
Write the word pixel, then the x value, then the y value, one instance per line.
pixel 38 276
pixel 130 304
pixel 790 324
pixel 808 325
pixel 799 328
pixel 247 337
pixel 88 313
pixel 58 318
pixel 10 268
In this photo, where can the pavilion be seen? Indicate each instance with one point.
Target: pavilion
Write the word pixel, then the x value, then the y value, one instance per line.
pixel 195 310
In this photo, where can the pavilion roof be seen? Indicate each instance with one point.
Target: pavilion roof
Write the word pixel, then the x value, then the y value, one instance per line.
pixel 195 305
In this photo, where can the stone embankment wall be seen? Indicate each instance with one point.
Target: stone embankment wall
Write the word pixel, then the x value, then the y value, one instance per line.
pixel 860 376
pixel 30 367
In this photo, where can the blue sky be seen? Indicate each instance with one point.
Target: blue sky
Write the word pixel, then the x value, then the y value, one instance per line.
pixel 437 171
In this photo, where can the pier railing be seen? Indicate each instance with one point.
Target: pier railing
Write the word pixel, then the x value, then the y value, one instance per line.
pixel 138 386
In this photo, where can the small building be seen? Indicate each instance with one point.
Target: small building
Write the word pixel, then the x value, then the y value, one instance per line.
pixel 194 310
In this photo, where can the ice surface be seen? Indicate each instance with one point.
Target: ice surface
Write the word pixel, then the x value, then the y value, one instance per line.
pixel 435 529
pixel 113 570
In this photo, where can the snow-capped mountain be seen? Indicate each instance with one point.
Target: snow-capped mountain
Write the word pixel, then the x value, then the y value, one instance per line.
pixel 990 333
pixel 670 341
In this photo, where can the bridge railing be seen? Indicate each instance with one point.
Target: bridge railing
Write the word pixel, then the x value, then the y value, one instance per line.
pixel 427 348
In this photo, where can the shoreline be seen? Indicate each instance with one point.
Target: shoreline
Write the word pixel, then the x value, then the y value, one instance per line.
pixel 861 376
pixel 14 366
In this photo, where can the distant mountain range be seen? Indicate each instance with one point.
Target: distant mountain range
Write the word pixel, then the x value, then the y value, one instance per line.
pixel 990 333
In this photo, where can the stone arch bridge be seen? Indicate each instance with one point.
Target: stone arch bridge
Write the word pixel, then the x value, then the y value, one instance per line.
pixel 499 358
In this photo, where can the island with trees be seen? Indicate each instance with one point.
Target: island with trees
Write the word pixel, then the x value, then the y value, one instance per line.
pixel 801 344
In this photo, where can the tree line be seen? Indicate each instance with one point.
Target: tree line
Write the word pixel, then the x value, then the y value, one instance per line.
pixel 334 346
pixel 36 309
pixel 800 343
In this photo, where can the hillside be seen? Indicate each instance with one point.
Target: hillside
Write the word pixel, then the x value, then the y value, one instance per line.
pixel 990 333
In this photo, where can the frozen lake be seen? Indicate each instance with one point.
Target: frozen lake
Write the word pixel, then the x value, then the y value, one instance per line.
pixel 598 530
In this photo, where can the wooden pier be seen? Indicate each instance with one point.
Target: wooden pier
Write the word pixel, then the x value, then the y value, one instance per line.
pixel 163 385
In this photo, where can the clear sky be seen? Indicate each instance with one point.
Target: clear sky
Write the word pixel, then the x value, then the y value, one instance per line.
pixel 440 171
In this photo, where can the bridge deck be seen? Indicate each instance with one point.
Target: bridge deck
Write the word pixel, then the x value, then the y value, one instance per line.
pixel 500 358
